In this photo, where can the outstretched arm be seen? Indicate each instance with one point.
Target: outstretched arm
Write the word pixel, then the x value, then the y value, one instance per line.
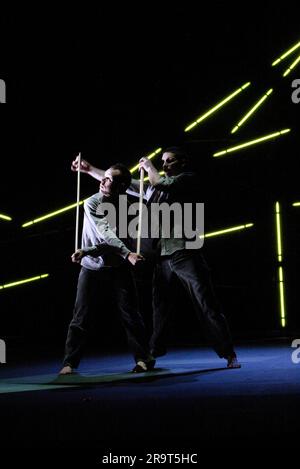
pixel 88 168
pixel 97 173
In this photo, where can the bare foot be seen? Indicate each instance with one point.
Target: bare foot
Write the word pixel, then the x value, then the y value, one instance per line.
pixel 232 362
pixel 66 370
pixel 142 366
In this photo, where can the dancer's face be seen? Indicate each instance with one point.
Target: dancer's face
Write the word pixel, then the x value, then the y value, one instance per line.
pixel 171 165
pixel 110 184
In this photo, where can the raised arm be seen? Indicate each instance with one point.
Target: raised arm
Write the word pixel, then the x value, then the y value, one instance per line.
pixel 87 168
pixel 153 174
pixel 182 182
pixel 96 173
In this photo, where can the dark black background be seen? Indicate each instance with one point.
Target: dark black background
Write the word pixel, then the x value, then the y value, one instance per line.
pixel 115 83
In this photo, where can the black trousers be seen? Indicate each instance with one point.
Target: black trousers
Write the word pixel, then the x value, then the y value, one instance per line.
pixel 92 285
pixel 192 271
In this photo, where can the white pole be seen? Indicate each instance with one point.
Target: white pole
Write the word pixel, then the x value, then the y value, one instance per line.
pixel 141 199
pixel 77 201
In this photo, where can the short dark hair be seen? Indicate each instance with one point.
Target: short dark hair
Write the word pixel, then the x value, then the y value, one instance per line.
pixel 125 177
pixel 179 152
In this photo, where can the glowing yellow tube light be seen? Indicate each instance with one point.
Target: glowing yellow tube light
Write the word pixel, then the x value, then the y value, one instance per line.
pixel 132 170
pixel 252 110
pixel 252 142
pixel 227 230
pixel 215 108
pixel 293 65
pixel 286 54
pixel 5 217
pixel 281 297
pixel 296 204
pixel 278 231
pixel 21 282
pixel 280 268
pixel 50 215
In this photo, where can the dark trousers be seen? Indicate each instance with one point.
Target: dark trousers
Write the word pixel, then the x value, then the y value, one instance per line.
pixel 192 271
pixel 92 286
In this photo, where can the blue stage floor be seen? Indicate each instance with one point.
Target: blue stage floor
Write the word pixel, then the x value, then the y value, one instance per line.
pixel 190 399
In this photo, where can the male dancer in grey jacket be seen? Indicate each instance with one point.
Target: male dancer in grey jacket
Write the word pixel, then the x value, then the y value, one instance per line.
pixel 105 262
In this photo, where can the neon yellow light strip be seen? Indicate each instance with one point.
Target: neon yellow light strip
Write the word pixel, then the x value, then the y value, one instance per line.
pixel 281 297
pixel 227 230
pixel 21 282
pixel 286 54
pixel 278 232
pixel 215 108
pixel 158 150
pixel 280 268
pixel 296 204
pixel 50 215
pixel 5 217
pixel 252 142
pixel 252 110
pixel 293 65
